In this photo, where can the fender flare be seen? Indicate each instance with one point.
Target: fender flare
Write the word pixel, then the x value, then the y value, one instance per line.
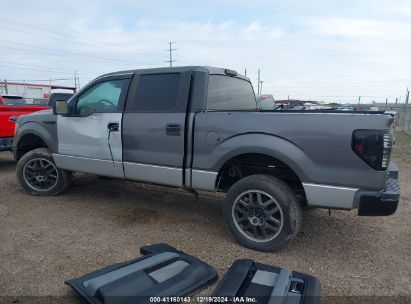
pixel 35 128
pixel 267 144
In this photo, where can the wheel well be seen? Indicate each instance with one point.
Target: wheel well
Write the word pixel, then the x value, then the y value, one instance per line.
pixel 253 163
pixel 27 143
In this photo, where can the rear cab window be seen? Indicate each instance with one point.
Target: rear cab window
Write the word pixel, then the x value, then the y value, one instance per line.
pixel 226 93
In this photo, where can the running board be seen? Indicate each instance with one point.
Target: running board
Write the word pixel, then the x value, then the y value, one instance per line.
pixel 266 284
pixel 163 271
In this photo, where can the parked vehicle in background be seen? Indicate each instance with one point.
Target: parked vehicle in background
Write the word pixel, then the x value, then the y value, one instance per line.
pixel 12 100
pixel 394 114
pixel 11 107
pixel 265 102
pixel 199 128
pixel 295 108
pixel 58 96
pixel 34 93
pixel 345 109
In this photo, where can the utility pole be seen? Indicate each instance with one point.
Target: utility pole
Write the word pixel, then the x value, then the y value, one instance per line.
pixel 359 100
pixel 258 83
pixel 396 100
pixel 170 50
pixel 75 80
pixel 261 87
pixel 407 98
pixel 245 72
pixel 386 104
pixel 5 86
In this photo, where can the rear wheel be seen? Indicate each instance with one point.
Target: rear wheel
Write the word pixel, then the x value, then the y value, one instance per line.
pixel 38 174
pixel 262 212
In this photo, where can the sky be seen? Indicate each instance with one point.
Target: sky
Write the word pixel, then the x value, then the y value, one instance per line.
pixel 332 51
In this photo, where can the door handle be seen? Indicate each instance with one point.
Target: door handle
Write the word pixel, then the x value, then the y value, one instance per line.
pixel 113 126
pixel 13 118
pixel 173 129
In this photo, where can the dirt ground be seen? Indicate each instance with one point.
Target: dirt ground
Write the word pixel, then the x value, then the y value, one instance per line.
pixel 45 241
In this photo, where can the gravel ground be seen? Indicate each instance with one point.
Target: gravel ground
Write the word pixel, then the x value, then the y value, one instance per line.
pixel 45 241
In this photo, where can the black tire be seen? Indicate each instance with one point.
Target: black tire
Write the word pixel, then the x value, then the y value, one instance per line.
pixel 52 183
pixel 239 219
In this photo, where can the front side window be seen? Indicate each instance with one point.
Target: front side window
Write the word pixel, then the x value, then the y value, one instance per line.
pixel 227 93
pixel 103 97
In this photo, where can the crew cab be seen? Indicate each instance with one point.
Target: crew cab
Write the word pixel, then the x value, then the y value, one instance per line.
pixel 199 128
pixel 11 107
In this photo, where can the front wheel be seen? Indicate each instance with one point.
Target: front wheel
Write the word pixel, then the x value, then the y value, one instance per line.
pixel 262 212
pixel 38 174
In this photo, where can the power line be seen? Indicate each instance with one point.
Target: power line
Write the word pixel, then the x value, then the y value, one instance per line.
pixel 79 37
pixel 83 57
pixel 39 68
pixel 35 27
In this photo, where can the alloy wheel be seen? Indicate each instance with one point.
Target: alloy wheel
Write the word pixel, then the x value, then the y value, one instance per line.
pixel 257 215
pixel 40 174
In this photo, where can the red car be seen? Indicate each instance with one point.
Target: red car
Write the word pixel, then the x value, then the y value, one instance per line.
pixel 10 108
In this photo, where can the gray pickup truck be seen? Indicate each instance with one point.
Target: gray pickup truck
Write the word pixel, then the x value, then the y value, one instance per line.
pixel 198 128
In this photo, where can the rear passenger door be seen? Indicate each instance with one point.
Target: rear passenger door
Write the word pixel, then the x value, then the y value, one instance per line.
pixel 153 128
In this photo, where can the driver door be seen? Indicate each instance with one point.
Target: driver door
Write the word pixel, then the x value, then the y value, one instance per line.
pixel 89 139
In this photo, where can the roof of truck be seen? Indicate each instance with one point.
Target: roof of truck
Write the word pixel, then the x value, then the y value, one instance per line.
pixel 211 70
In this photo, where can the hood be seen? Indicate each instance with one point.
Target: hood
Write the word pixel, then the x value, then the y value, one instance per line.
pixel 40 117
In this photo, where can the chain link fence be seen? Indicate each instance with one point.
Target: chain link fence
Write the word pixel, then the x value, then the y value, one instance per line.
pixel 404 119
pixel 407 124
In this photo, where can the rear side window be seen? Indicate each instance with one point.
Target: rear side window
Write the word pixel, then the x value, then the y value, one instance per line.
pixel 229 93
pixel 157 93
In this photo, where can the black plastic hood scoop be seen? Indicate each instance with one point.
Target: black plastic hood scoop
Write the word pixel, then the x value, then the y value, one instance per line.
pixel 267 284
pixel 162 271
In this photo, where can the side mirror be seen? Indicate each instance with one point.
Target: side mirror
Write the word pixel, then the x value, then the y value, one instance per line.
pixel 60 107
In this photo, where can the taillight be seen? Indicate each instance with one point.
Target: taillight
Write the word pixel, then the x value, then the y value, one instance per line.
pixel 374 147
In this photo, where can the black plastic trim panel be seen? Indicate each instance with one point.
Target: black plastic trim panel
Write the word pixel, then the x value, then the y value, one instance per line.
pixel 137 286
pixel 238 283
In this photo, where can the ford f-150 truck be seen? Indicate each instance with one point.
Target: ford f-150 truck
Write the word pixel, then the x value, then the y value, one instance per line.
pixel 10 108
pixel 198 128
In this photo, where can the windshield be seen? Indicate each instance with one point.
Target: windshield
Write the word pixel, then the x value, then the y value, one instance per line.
pixel 14 100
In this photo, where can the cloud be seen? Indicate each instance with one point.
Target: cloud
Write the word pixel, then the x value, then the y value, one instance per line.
pixel 359 28
pixel 306 50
